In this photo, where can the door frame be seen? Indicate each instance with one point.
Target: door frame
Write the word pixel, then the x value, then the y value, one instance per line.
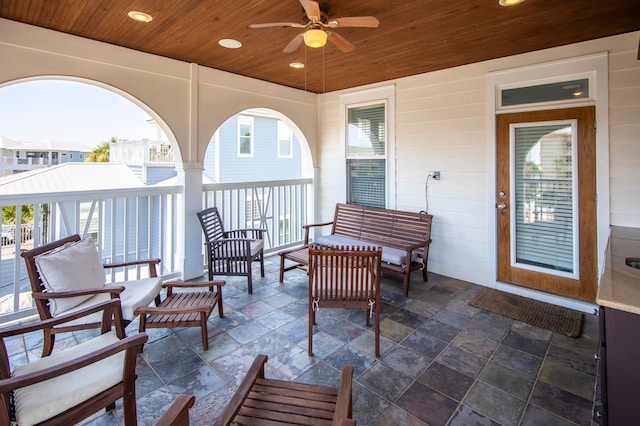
pixel 583 285
pixel 595 66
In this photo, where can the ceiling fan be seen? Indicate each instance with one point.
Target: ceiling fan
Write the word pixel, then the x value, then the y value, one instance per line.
pixel 318 28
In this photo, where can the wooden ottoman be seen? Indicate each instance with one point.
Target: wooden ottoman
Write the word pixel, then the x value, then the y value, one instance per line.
pixel 184 309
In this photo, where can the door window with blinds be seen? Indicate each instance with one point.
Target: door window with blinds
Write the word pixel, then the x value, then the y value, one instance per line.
pixel 544 230
pixel 367 154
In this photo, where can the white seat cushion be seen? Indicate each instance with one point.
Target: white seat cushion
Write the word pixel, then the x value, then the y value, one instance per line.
pixel 137 293
pixel 390 255
pixel 44 400
pixel 256 246
pixel 74 266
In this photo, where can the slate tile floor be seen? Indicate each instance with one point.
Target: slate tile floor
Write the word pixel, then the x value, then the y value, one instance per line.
pixel 443 362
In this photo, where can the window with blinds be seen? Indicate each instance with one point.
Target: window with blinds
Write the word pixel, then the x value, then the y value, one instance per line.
pixel 366 154
pixel 544 197
pixel 245 136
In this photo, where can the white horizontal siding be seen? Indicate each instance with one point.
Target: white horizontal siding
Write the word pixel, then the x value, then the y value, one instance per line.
pixel 441 124
pixel 624 131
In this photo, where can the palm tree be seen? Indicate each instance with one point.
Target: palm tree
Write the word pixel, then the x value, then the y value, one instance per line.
pixel 9 214
pixel 100 154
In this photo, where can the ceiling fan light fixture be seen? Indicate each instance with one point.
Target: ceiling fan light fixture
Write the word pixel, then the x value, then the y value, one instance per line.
pixel 140 16
pixel 315 38
pixel 510 2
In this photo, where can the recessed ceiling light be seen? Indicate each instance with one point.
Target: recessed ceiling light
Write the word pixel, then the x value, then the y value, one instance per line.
pixel 510 2
pixel 296 65
pixel 140 16
pixel 230 43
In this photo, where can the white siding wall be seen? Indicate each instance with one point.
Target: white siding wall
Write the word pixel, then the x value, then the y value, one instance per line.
pixel 624 133
pixel 442 124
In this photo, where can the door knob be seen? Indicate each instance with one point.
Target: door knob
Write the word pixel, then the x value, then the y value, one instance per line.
pixel 501 206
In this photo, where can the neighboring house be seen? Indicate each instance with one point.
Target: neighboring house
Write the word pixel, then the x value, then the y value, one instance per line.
pixel 20 156
pixel 152 161
pixel 253 145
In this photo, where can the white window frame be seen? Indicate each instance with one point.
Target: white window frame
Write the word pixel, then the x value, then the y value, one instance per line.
pixel 285 135
pixel 381 94
pixel 245 120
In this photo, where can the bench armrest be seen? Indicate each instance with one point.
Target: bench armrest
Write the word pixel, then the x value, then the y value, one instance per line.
pixel 312 225
pixel 255 371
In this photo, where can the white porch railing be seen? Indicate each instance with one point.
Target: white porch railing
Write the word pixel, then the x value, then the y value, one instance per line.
pixel 141 223
pixel 280 206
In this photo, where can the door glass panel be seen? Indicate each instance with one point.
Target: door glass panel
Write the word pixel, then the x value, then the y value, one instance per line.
pixel 544 198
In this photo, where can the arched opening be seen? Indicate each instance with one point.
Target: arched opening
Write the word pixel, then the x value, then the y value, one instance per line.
pixel 51 129
pixel 260 163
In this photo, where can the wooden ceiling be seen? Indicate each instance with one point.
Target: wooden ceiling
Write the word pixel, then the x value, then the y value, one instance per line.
pixel 414 36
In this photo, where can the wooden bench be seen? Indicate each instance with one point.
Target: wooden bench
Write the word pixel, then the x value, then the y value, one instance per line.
pixel 262 401
pixel 404 237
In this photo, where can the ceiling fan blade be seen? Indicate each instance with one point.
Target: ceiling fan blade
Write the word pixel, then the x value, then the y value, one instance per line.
pixel 294 44
pixel 277 24
pixel 311 8
pixel 341 43
pixel 355 21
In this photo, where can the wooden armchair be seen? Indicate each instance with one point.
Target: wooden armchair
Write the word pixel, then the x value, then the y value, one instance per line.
pixel 262 401
pixel 178 412
pixel 67 276
pixel 231 252
pixel 345 277
pixel 71 385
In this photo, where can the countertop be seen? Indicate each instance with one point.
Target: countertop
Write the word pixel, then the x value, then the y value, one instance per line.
pixel 620 284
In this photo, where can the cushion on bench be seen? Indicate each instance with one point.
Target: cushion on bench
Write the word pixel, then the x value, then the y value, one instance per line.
pixel 390 255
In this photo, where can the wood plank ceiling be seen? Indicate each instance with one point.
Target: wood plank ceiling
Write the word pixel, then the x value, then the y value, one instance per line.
pixel 414 36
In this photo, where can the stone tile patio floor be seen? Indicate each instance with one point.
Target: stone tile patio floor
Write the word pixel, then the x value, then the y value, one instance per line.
pixel 443 361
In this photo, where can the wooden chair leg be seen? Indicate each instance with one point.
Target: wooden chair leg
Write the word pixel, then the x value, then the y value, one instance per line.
pixel 48 342
pixel 406 283
pixel 203 331
pixel 281 268
pixel 312 321
pixel 219 302
pixel 129 407
pixel 377 331
pixel 262 264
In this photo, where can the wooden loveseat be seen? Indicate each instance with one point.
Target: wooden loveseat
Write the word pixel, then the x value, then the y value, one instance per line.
pixel 403 236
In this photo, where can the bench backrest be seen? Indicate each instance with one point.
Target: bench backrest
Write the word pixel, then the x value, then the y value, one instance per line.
pixel 393 228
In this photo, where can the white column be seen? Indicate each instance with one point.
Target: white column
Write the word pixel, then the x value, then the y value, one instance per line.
pixel 189 233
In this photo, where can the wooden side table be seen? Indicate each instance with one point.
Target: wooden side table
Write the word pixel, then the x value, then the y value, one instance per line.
pixel 300 257
pixel 184 309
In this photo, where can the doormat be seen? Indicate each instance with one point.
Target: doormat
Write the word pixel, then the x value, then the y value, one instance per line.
pixel 540 314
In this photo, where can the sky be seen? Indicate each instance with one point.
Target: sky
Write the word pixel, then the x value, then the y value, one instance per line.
pixel 70 111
